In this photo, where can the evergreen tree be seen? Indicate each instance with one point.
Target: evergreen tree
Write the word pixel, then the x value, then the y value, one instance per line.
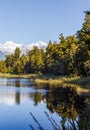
pixel 36 60
pixel 3 67
pixel 83 53
pixel 17 53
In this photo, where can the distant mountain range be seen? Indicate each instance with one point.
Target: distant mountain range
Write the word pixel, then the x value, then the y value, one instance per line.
pixel 9 47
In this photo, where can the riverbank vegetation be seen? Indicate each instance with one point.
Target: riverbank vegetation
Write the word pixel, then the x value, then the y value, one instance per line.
pixel 9 75
pixel 58 80
pixel 83 82
pixel 70 57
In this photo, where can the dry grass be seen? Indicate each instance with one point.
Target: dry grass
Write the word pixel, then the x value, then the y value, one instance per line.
pixel 79 80
pixel 50 79
pixel 7 75
pixel 76 82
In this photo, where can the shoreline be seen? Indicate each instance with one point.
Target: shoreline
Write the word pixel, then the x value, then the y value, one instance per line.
pixel 50 79
pixel 82 81
pixel 8 75
pixel 56 81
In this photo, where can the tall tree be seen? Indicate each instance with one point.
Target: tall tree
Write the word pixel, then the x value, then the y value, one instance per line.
pixel 17 67
pixel 83 52
pixel 84 33
pixel 3 67
pixel 17 53
pixel 36 60
pixel 51 56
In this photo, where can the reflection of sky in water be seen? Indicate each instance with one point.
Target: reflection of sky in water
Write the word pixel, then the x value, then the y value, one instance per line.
pixel 17 82
pixel 16 103
pixel 19 97
pixel 8 94
pixel 11 88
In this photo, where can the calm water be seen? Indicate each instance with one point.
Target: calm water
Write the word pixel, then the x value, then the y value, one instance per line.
pixel 25 106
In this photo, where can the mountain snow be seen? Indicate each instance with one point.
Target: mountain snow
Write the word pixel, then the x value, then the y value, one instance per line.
pixel 9 47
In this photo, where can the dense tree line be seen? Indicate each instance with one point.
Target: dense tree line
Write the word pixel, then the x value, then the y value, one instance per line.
pixel 70 57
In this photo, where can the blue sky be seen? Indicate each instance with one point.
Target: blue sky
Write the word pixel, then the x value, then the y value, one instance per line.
pixel 27 21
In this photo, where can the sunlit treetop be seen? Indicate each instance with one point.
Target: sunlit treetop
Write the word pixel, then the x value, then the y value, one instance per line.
pixel 87 12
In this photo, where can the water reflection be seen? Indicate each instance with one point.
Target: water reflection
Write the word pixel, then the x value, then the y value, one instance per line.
pixel 15 91
pixel 73 108
pixel 16 82
pixel 70 110
pixel 70 106
pixel 11 97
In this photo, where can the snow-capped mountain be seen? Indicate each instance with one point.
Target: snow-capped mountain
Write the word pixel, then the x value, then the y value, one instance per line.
pixel 27 47
pixel 9 47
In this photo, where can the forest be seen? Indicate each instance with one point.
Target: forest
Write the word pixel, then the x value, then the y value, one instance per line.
pixel 68 57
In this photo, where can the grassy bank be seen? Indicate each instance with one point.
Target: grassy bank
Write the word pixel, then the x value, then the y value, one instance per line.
pixel 50 79
pixel 7 75
pixel 82 84
pixel 56 80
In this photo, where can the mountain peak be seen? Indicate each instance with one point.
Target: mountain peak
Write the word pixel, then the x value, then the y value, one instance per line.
pixel 9 47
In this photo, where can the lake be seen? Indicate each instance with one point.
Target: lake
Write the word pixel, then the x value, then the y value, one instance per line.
pixel 26 106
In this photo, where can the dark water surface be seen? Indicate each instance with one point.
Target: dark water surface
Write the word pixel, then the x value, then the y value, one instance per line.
pixel 26 106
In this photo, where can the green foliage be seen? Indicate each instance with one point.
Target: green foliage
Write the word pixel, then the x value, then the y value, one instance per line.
pixel 82 55
pixel 36 60
pixel 24 61
pixel 50 56
pixel 87 67
pixel 84 33
pixel 17 67
pixel 9 60
pixel 69 57
pixel 2 67
pixel 17 53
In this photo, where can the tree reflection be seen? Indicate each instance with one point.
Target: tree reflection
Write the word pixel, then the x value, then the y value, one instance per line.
pixel 14 82
pixel 38 97
pixel 18 83
pixel 70 106
pixel 17 98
